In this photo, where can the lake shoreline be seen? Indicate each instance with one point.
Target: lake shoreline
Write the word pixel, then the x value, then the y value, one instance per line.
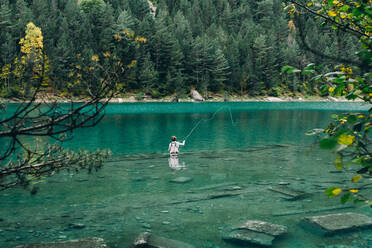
pixel 237 99
pixel 132 99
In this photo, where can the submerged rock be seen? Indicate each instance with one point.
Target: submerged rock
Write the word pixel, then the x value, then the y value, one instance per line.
pixel 264 227
pixel 288 193
pixel 181 180
pixel 247 236
pixel 338 223
pixel 84 243
pixel 256 233
pixel 148 240
pixel 76 225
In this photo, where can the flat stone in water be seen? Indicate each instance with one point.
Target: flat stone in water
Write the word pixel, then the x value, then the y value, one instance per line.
pixel 251 237
pixel 76 225
pixel 256 232
pixel 335 223
pixel 84 243
pixel 181 180
pixel 148 240
pixel 264 227
pixel 289 193
pixel 80 180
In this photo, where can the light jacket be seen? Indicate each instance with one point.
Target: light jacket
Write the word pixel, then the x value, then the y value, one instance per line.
pixel 173 147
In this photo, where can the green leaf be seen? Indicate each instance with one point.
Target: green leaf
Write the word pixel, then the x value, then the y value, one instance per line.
pixel 357 160
pixel 319 77
pixel 307 72
pixel 328 143
pixel 352 119
pixel 310 66
pixel 356 178
pixel 344 8
pixel 339 80
pixel 367 162
pixel 346 197
pixel 286 68
pixel 338 162
pixel 356 201
pixel 329 193
pixel 324 89
pixel 333 73
pixel 357 12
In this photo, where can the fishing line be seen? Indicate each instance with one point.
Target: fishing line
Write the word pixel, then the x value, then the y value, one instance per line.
pixel 209 119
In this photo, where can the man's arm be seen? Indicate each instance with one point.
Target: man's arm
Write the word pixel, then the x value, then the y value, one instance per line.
pixel 182 144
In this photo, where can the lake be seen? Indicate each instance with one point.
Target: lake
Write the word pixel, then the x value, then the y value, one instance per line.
pixel 234 155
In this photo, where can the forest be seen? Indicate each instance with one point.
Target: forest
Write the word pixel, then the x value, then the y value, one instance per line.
pixel 170 46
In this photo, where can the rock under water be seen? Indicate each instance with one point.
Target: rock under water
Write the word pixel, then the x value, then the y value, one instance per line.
pixel 83 243
pixel 338 223
pixel 256 232
pixel 148 240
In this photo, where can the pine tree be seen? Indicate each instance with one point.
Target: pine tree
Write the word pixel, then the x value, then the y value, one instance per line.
pixel 7 47
pixel 125 21
pixel 147 76
pixel 219 71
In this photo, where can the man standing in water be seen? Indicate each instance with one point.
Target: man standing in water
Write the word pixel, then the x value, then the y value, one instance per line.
pixel 173 152
pixel 173 146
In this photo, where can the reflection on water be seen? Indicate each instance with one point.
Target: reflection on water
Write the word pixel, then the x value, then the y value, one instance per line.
pixel 175 164
pixel 230 170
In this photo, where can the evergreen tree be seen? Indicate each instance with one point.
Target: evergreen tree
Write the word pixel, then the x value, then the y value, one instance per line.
pixel 148 76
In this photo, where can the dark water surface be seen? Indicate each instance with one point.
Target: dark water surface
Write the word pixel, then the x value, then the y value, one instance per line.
pixel 252 146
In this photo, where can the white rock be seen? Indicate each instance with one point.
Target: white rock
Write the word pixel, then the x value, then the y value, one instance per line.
pixel 196 96
pixel 274 99
pixel 332 99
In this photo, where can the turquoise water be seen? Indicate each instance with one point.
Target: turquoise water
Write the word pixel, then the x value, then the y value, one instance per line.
pixel 245 149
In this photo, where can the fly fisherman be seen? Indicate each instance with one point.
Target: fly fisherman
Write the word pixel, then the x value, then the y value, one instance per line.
pixel 173 146
pixel 173 154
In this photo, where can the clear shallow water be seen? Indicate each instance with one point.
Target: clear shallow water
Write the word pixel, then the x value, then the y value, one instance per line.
pixel 263 146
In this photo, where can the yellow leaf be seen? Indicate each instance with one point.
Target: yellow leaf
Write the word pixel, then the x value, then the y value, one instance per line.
pixel 356 178
pixel 309 4
pixel 332 13
pixel 338 162
pixel 335 2
pixel 336 191
pixel 95 58
pixel 345 139
pixel 354 191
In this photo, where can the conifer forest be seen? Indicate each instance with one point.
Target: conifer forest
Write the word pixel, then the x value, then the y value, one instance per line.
pixel 170 46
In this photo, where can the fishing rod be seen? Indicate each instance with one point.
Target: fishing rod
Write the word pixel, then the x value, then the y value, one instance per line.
pixel 209 119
